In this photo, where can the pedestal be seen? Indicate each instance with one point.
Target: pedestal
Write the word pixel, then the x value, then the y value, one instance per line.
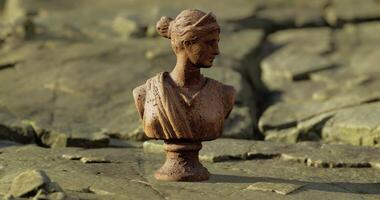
pixel 182 163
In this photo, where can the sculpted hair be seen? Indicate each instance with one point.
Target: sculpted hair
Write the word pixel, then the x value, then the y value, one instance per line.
pixel 189 25
pixel 163 25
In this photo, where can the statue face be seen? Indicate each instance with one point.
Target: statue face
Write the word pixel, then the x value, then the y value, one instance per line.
pixel 203 51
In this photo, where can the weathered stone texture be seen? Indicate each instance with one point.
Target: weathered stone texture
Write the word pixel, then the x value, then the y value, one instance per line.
pixel 318 74
pixel 129 175
pixel 303 71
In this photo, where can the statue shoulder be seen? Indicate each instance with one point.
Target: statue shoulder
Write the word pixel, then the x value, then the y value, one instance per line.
pixel 139 94
pixel 228 94
pixel 229 98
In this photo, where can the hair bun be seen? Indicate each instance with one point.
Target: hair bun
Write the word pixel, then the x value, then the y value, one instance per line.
pixel 163 25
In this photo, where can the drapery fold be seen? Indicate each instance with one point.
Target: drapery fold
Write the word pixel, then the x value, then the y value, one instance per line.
pixel 171 114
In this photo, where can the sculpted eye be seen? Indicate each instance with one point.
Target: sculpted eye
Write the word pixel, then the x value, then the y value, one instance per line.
pixel 211 42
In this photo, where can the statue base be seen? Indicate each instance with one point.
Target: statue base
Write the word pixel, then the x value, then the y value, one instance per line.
pixel 182 163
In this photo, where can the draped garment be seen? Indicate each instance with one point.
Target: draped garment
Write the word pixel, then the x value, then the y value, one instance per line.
pixel 168 115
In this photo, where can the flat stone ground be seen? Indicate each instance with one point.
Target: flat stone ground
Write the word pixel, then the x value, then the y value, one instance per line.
pixel 307 77
pixel 265 174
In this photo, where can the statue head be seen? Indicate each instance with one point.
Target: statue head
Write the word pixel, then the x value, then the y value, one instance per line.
pixel 193 34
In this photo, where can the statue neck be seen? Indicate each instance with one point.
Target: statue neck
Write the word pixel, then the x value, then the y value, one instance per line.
pixel 185 74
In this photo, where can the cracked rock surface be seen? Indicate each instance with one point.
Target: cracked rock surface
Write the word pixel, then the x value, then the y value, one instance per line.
pixel 306 123
pixel 313 154
pixel 295 66
pixel 130 174
pixel 70 83
pixel 318 76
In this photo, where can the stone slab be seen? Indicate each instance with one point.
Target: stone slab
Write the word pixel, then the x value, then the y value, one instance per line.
pixel 131 176
pixel 313 154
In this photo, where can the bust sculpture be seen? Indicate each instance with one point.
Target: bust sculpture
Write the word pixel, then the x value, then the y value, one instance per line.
pixel 182 107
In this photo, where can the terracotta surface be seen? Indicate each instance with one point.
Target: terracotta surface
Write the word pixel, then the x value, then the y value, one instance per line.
pixel 183 107
pixel 180 157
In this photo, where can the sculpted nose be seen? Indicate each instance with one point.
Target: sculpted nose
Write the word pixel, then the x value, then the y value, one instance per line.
pixel 216 49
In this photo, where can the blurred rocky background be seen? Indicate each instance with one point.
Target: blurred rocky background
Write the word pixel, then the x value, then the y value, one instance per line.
pixel 307 75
